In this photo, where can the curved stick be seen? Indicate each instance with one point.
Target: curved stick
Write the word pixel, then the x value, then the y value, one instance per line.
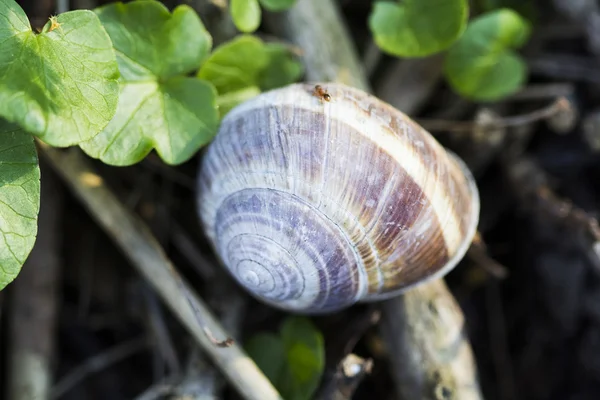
pixel 144 252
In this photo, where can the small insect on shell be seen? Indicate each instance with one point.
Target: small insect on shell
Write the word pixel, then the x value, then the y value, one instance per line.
pixel 321 93
pixel 316 205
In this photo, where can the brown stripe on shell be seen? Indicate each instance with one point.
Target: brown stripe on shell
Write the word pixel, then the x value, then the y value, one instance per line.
pixel 403 235
pixel 411 136
pixel 429 258
pixel 357 184
pixel 459 188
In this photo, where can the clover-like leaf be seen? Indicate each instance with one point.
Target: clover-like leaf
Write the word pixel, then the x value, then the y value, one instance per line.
pixel 19 199
pixel 293 360
pixel 60 84
pixel 417 28
pixel 246 65
pixel 246 15
pixel 277 5
pixel 159 106
pixel 236 64
pixel 483 65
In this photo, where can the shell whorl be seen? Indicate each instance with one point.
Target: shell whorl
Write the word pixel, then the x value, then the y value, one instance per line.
pixel 315 205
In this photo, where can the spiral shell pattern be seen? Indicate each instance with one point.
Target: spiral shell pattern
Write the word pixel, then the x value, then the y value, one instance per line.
pixel 314 205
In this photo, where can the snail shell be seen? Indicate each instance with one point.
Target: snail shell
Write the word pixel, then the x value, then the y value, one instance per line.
pixel 315 205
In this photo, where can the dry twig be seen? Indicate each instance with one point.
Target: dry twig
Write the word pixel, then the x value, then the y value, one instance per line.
pixel 558 105
pixel 136 241
pixel 407 84
pixel 350 372
pixel 478 253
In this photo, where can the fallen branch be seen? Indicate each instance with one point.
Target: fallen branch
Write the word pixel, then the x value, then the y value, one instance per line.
pixel 350 372
pixel 408 84
pixel 327 53
pixel 139 245
pixel 431 355
pixel 423 329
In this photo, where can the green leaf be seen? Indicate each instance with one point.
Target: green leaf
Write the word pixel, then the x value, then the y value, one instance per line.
pixel 293 360
pixel 244 65
pixel 305 357
pixel 151 43
pixel 417 28
pixel 282 69
pixel 61 84
pixel 277 5
pixel 268 353
pixel 19 199
pixel 159 106
pixel 236 64
pixel 175 117
pixel 246 15
pixel 482 65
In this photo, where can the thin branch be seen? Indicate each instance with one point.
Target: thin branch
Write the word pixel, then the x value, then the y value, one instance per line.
pixel 559 105
pixel 543 91
pixel 407 84
pixel 350 372
pixel 328 54
pixel 157 327
pixel 478 253
pixel 137 242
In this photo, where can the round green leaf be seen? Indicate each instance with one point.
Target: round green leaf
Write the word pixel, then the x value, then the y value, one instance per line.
pixel 482 65
pixel 19 199
pixel 159 106
pixel 236 64
pixel 244 66
pixel 175 117
pixel 152 43
pixel 61 84
pixel 305 351
pixel 417 28
pixel 246 15
pixel 277 5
